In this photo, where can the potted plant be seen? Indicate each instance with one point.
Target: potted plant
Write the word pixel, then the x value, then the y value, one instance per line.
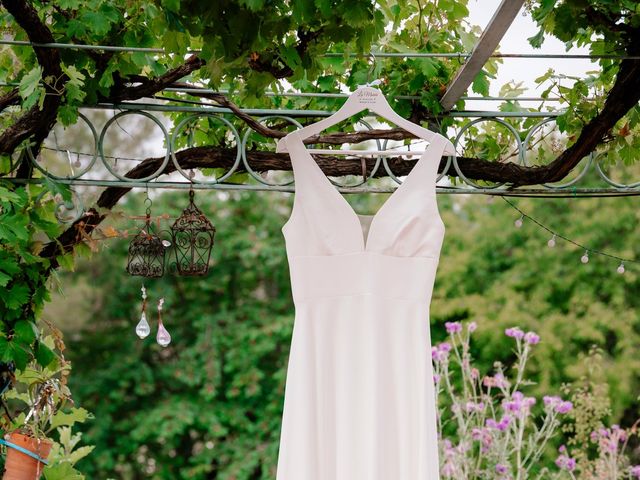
pixel 46 407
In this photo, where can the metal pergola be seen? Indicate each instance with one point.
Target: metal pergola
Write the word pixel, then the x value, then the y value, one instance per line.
pixel 98 170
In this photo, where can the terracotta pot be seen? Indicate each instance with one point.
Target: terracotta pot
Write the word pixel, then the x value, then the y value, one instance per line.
pixel 20 466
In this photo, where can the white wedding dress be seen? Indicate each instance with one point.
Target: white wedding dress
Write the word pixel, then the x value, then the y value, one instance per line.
pixel 359 398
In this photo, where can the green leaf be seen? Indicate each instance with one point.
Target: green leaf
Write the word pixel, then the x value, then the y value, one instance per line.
pixel 324 6
pixel 74 75
pixel 44 355
pixel 14 227
pixel 481 84
pixel 58 188
pixel 67 261
pixel 17 296
pixel 25 332
pixel 536 40
pixel 171 5
pixel 97 22
pixel 69 4
pixel 9 264
pixel 19 354
pixel 62 471
pixel 4 349
pixel 75 415
pixel 429 67
pixel 8 196
pixel 76 28
pixel 290 56
pixel 30 82
pixel 68 115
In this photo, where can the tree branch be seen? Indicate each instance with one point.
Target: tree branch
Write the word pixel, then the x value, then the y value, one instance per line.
pixel 623 96
pixel 35 123
pixel 11 98
pixel 214 157
pixel 601 19
pixel 151 86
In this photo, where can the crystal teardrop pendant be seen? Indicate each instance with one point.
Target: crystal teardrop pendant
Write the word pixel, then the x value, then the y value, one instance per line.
pixel 163 338
pixel 143 329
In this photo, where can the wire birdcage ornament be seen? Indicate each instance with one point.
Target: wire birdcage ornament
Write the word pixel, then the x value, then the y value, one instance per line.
pixel 147 250
pixel 192 235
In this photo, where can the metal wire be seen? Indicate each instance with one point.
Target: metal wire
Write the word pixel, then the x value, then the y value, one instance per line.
pixel 115 48
pixel 325 95
pixel 452 113
pixel 566 239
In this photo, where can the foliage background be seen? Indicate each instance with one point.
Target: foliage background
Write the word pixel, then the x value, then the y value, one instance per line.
pixel 211 402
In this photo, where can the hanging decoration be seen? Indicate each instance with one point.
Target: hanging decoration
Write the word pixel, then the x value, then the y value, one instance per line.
pixel 192 236
pixel 162 337
pixel 147 250
pixel 142 328
pixel 554 236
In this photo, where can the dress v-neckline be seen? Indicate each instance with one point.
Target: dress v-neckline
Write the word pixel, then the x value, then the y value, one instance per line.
pixel 355 216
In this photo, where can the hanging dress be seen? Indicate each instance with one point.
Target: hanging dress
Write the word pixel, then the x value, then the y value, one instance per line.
pixel 359 396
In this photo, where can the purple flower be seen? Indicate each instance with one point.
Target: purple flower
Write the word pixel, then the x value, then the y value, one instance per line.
pixel 474 407
pixel 519 403
pixel 472 326
pixel 514 332
pixel 496 381
pixel 504 423
pixel 501 425
pixel 565 462
pixel 453 327
pixel 482 435
pixel 551 401
pixel 501 469
pixel 564 407
pixel 620 433
pixel 531 338
pixel 440 352
pixel 635 471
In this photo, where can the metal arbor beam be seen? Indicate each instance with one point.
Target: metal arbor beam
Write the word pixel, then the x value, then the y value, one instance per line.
pixel 488 42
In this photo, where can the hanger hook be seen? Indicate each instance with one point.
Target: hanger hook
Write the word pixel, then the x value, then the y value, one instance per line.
pixel 372 68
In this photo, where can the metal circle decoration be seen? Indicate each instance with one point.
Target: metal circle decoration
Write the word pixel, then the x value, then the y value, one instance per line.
pixel 608 179
pixel 469 125
pixel 245 138
pixel 167 141
pixel 374 170
pixel 192 236
pixel 80 172
pixel 191 119
pixel 68 211
pixel 569 183
pixel 397 179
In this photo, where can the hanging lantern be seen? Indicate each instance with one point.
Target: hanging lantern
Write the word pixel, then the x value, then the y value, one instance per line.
pixel 192 236
pixel 147 251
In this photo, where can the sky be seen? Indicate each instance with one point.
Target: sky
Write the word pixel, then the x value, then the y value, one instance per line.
pixel 515 41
